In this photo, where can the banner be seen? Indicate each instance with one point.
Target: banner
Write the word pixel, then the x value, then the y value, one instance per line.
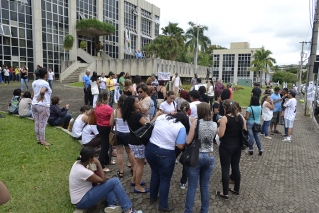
pixel 127 45
pixel 164 76
pixel 310 92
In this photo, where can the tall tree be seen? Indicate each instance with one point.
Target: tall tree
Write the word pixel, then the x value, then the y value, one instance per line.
pixel 191 38
pixel 261 61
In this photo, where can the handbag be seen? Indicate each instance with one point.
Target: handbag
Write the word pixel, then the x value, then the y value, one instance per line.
pixel 112 134
pixel 190 156
pixel 92 118
pixel 144 133
pixel 256 127
pixel 245 139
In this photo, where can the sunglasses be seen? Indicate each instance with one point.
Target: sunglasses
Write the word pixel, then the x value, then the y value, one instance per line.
pixel 140 92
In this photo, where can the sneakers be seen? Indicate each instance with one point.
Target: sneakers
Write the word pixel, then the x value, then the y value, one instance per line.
pixel 286 139
pixel 268 137
pixel 113 209
pixel 182 186
pixel 262 134
pixel 135 211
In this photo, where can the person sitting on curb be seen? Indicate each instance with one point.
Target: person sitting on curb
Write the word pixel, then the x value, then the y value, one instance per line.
pixel 25 105
pixel 59 116
pixel 80 122
pixel 84 195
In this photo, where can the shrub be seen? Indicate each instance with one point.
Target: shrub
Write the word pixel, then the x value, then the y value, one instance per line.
pixel 85 24
pixel 68 42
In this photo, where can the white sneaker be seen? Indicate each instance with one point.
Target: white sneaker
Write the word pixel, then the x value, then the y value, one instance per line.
pixel 262 134
pixel 287 139
pixel 113 209
pixel 72 119
pixel 182 186
pixel 268 137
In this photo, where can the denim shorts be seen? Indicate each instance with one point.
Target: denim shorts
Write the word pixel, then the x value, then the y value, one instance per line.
pixel 289 123
pixel 122 138
pixel 138 151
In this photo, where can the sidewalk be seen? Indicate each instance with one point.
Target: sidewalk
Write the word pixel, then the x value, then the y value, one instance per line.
pixel 284 179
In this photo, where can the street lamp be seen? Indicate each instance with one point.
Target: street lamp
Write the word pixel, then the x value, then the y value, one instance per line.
pixel 196 52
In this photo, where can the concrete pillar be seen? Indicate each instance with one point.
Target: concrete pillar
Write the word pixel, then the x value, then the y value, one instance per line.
pixel 220 74
pixel 121 29
pixel 153 23
pixel 37 35
pixel 235 69
pixel 99 16
pixel 73 53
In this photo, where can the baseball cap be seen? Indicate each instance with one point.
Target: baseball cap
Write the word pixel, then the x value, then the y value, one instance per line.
pixel 229 84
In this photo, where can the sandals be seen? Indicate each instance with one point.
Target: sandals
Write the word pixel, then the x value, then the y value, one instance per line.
pixel 234 192
pixel 221 196
pixel 44 143
pixel 113 162
pixel 120 174
pixel 129 165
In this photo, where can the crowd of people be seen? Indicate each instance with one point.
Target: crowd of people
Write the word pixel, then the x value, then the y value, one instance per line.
pixel 179 116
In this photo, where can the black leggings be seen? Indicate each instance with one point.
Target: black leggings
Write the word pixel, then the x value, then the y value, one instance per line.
pixel 229 155
pixel 104 157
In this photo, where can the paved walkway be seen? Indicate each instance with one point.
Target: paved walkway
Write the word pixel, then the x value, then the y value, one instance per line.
pixel 284 179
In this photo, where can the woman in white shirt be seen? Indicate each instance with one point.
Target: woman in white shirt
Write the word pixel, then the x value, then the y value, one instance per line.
pixel 267 113
pixel 51 77
pixel 169 105
pixel 41 105
pixel 90 136
pixel 169 131
pixel 84 195
pixel 80 122
pixel 6 75
pixel 211 94
pixel 122 134
pixel 95 83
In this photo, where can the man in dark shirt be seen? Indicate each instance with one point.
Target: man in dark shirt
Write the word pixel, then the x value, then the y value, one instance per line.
pixel 256 91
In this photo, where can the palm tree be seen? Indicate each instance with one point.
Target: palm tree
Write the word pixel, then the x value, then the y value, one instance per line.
pixel 191 38
pixel 174 32
pixel 261 60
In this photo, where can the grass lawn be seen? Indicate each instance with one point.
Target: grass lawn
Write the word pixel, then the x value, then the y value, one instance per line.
pixel 36 176
pixel 76 84
pixel 243 96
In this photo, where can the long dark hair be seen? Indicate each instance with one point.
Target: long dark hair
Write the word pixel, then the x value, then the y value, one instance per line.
pixel 128 107
pixel 225 94
pixel 180 117
pixel 94 76
pixel 230 108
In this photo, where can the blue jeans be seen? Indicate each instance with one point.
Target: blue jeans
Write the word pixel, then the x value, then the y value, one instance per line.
pixel 62 121
pixel 254 136
pixel 50 83
pixel 202 172
pixel 265 127
pixel 22 82
pixel 111 101
pixel 111 190
pixel 162 163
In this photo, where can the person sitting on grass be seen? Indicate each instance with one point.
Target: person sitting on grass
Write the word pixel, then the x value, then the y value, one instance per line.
pixel 84 195
pixel 13 107
pixel 25 105
pixel 80 122
pixel 59 116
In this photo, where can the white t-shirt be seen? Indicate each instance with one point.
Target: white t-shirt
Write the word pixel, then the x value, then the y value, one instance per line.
pixel 102 82
pixel 211 91
pixel 121 126
pixel 6 72
pixel 24 106
pixel 94 88
pixel 291 108
pixel 266 112
pixel 78 127
pixel 87 135
pixel 37 85
pixel 193 109
pixel 165 132
pixel 168 108
pixel 51 75
pixel 78 183
pixel 176 81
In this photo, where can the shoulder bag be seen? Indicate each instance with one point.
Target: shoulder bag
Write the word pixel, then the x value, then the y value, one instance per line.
pixel 92 118
pixel 245 139
pixel 112 134
pixel 256 127
pixel 144 133
pixel 190 156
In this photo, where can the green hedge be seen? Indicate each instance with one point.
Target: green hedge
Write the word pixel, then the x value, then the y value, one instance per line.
pixel 94 23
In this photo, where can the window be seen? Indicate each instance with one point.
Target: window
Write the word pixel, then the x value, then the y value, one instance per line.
pixel 6 30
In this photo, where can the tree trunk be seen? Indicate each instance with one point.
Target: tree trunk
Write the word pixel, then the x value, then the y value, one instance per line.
pixel 260 80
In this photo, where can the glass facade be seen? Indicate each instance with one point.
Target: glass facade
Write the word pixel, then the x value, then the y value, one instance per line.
pixel 55 26
pixel 216 67
pixel 86 9
pixel 146 23
pixel 157 25
pixel 228 67
pixel 16 40
pixel 111 15
pixel 243 65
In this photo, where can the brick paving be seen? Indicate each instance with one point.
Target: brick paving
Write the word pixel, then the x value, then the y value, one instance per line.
pixel 284 179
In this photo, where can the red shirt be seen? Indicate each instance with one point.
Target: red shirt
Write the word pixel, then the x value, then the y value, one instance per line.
pixel 10 70
pixel 231 93
pixel 103 114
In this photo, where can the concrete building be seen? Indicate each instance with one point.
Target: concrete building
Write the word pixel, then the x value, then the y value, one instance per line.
pixel 233 64
pixel 32 31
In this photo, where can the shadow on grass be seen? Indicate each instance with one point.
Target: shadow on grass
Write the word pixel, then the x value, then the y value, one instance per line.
pixel 36 176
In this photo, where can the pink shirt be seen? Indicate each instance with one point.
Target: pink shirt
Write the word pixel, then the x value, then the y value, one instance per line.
pixel 103 114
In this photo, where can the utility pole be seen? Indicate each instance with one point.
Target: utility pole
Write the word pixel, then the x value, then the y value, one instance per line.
pixel 314 40
pixel 301 61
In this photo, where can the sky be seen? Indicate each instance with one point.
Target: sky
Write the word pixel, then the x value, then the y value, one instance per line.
pixel 278 25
